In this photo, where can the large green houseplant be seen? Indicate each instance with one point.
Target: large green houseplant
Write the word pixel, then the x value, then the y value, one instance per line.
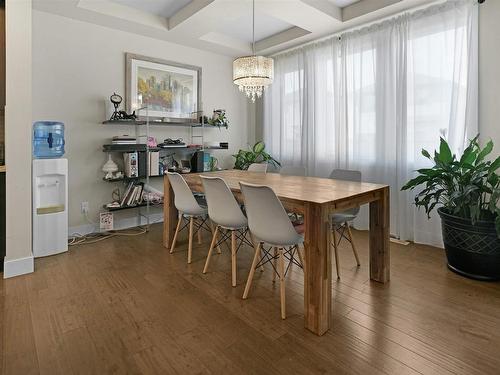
pixel 466 192
pixel 256 154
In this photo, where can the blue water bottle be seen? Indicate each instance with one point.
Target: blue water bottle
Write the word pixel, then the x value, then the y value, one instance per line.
pixel 48 139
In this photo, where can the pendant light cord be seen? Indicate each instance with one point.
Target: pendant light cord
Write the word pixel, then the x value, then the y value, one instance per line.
pixel 253 27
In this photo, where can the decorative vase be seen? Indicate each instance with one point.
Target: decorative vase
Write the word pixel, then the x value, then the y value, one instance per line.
pixel 109 167
pixel 472 250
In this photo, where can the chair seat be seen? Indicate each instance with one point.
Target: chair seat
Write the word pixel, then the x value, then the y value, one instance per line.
pixel 234 225
pixel 339 218
pixel 202 211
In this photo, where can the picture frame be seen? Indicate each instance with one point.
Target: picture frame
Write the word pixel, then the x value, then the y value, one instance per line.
pixel 171 90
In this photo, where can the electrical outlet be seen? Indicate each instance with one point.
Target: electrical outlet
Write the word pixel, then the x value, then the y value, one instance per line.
pixel 84 206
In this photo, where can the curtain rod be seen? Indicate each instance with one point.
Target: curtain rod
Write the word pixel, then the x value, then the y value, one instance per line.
pixel 340 32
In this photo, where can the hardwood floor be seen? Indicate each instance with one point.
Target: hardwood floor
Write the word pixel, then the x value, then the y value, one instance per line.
pixel 126 305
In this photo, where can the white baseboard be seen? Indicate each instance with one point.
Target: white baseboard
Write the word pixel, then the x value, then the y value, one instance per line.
pixel 124 223
pixel 16 267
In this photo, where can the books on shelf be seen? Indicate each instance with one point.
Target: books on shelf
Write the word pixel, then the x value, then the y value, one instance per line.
pixel 132 195
pixel 123 140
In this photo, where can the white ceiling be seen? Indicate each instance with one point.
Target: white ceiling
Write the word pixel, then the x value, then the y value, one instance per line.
pixel 163 8
pixel 343 3
pixel 241 26
pixel 225 26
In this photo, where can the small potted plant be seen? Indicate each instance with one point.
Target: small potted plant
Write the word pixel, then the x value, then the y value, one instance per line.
pixel 255 155
pixel 466 192
pixel 219 119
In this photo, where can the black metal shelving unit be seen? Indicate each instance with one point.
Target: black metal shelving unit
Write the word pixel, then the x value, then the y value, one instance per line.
pixel 120 148
pixel 112 209
pixel 127 179
pixel 159 123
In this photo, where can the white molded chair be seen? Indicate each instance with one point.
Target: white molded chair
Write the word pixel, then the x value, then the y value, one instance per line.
pixel 269 224
pixel 189 211
pixel 226 214
pixel 289 170
pixel 257 167
pixel 340 221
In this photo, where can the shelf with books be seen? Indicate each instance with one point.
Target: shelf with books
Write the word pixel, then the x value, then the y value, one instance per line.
pixel 129 207
pixel 159 123
pixel 127 179
pixel 143 147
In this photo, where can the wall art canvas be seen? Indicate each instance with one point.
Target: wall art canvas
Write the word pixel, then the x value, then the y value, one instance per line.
pixel 170 90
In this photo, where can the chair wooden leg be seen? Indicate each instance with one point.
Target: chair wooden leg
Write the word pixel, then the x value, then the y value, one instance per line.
pixel 190 246
pixel 335 250
pixel 274 263
pixel 233 258
pixel 177 229
pixel 352 244
pixel 216 238
pixel 254 244
pixel 252 270
pixel 212 245
pixel 199 231
pixel 282 282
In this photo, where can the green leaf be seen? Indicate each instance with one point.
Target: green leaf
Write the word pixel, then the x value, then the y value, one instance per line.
pixel 445 155
pixel 414 182
pixel 484 152
pixel 468 157
pixel 429 172
pixel 495 165
pixel 426 154
pixel 259 147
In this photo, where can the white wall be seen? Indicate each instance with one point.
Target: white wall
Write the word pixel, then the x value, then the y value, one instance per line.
pixel 489 72
pixel 77 66
pixel 18 257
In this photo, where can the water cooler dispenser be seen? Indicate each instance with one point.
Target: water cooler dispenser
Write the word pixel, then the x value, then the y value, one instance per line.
pixel 50 190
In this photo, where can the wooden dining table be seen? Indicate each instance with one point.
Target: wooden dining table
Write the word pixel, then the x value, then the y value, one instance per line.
pixel 316 199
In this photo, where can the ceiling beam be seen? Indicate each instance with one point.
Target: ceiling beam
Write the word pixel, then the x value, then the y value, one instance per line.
pixel 364 7
pixel 187 12
pixel 326 7
pixel 227 41
pixel 112 9
pixel 279 38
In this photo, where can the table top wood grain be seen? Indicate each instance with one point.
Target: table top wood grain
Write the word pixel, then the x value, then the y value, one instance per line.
pixel 297 188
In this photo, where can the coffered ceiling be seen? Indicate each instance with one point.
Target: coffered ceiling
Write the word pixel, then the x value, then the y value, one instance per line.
pixel 225 26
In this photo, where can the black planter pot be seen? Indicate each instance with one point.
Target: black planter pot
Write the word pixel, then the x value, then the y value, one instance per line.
pixel 472 250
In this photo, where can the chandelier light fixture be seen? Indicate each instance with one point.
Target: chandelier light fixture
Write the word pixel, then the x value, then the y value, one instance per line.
pixel 253 73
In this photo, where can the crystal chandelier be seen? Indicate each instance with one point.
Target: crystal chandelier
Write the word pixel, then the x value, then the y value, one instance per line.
pixel 253 73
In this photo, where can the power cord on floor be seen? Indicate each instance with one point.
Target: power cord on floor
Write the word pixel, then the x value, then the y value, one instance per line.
pixel 79 239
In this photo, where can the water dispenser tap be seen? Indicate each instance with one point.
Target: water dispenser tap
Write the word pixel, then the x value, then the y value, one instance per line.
pixel 50 140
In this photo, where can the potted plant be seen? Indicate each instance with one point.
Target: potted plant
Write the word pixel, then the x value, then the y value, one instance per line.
pixel 219 119
pixel 255 155
pixel 467 194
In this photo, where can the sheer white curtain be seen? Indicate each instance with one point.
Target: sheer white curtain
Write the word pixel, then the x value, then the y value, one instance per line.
pixel 372 99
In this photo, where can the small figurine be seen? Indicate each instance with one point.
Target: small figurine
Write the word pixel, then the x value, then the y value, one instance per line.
pixel 120 115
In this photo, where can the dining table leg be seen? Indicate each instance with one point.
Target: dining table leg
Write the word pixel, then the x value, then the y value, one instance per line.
pixel 318 269
pixel 379 238
pixel 170 214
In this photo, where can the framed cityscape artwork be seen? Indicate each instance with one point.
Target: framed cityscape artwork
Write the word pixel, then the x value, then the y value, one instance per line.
pixel 170 90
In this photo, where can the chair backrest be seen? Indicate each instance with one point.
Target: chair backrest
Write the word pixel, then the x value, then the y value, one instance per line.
pixel 292 171
pixel 223 209
pixel 347 175
pixel 184 199
pixel 267 219
pixel 258 167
